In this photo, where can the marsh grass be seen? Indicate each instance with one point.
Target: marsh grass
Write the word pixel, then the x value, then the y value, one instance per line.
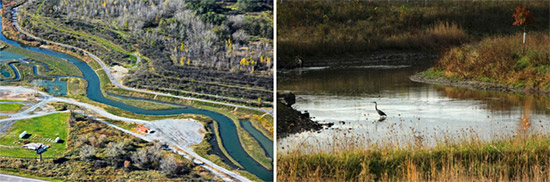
pixel 501 60
pixel 318 29
pixel 436 36
pixel 468 158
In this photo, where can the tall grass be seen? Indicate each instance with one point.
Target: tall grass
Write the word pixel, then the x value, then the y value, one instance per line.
pixel 501 60
pixel 439 35
pixel 320 28
pixel 506 159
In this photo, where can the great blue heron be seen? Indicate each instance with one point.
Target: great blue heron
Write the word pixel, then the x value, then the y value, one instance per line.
pixel 382 114
pixel 298 61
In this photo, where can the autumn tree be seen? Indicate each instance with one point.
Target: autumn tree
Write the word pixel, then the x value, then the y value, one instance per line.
pixel 523 19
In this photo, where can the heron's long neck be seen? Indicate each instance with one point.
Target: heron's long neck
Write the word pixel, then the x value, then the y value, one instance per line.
pixel 375 106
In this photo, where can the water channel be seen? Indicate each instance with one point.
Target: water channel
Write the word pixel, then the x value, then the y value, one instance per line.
pixel 418 113
pixel 227 129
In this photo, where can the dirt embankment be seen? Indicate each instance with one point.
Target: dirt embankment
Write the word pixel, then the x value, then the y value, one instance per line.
pixel 376 58
pixel 290 120
pixel 419 77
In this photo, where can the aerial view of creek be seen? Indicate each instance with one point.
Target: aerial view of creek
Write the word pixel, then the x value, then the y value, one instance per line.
pixel 227 129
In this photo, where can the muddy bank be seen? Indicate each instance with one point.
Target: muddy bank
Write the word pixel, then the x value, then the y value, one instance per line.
pixel 376 58
pixel 290 120
pixel 470 84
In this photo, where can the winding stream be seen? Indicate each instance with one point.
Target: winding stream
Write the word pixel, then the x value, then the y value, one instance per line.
pixel 418 113
pixel 227 128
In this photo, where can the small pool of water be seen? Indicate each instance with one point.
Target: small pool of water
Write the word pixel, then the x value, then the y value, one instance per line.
pixel 55 87
pixel 5 73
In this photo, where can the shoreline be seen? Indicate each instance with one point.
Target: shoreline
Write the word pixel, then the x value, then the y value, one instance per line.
pixel 471 84
pixel 385 57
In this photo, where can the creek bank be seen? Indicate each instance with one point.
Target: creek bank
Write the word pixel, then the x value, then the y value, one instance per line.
pixel 375 58
pixel 290 120
pixel 470 84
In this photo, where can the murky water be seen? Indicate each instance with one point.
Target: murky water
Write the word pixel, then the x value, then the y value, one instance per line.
pixel 418 114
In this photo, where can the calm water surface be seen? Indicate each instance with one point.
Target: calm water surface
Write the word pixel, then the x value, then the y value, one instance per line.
pixel 418 114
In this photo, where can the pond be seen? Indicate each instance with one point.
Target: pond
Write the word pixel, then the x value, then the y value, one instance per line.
pixel 5 73
pixel 418 113
pixel 55 87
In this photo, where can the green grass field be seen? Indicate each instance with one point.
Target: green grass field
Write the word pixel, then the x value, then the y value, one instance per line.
pixel 10 107
pixel 40 128
pixel 3 100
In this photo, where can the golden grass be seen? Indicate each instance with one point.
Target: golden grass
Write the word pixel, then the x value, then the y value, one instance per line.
pixel 439 35
pixel 501 60
pixel 506 159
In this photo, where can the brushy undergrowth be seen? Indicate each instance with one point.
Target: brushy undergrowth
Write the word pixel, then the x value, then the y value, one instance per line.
pixel 313 29
pixel 507 159
pixel 501 60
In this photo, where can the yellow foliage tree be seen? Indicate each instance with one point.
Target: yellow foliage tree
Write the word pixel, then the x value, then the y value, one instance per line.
pixel 244 62
pixel 182 47
pixel 229 47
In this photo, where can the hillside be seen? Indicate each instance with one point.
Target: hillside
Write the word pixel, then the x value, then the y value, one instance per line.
pixel 202 49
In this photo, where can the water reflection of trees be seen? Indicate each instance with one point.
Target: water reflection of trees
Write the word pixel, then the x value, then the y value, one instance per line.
pixel 500 101
pixel 525 123
pixel 350 82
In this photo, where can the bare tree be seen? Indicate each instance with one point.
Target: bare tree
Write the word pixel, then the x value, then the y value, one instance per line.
pixel 168 165
pixel 140 158
pixel 241 36
pixel 87 152
pixel 115 153
pixel 148 158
